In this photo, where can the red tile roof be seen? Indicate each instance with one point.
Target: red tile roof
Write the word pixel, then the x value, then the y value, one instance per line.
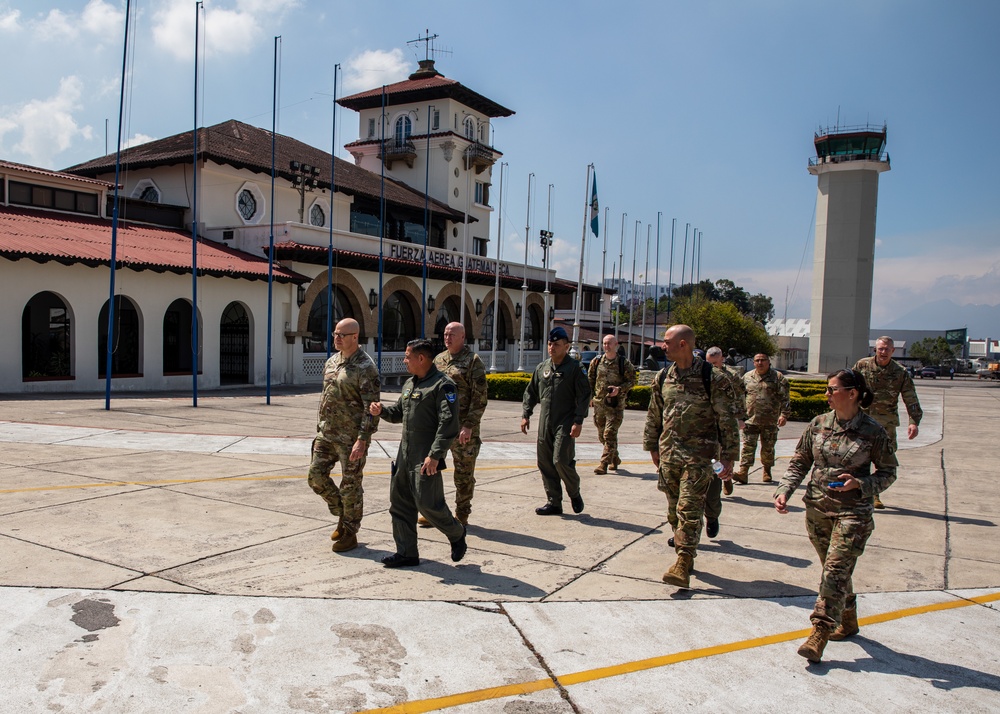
pixel 24 168
pixel 249 147
pixel 44 236
pixel 422 89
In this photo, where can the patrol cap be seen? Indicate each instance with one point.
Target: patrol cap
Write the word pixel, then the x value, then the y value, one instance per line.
pixel 558 333
pixel 700 354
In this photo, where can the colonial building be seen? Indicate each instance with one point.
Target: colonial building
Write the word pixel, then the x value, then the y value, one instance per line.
pixel 403 235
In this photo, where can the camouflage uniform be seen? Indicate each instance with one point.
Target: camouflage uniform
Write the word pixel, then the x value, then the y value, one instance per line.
pixel 428 410
pixel 767 398
pixel 564 393
pixel 839 523
pixel 888 383
pixel 713 499
pixel 466 370
pixel 349 386
pixel 604 373
pixel 689 429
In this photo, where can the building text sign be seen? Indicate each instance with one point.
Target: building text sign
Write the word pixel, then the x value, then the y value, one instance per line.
pixel 448 259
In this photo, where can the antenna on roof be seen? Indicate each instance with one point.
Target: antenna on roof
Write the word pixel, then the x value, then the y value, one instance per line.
pixel 430 51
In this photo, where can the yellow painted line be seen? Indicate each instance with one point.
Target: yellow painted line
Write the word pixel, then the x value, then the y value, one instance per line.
pixel 590 675
pixel 220 479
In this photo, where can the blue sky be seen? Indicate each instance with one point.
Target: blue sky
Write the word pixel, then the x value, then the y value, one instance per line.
pixel 702 111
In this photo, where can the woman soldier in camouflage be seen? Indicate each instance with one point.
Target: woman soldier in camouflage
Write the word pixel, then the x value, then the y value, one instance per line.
pixel 840 448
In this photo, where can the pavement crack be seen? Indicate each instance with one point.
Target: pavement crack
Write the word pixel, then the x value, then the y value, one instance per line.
pixel 563 692
pixel 947 522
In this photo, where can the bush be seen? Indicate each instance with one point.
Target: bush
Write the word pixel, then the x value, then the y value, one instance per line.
pixel 507 387
pixel 638 398
pixel 805 408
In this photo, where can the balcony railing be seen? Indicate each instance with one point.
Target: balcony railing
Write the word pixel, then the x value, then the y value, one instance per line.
pixel 480 156
pixel 844 158
pixel 398 151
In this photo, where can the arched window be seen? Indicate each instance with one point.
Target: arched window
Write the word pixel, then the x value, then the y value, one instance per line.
pixel 234 345
pixel 316 341
pixel 404 128
pixel 533 330
pixel 398 323
pixel 46 338
pixel 178 350
pixel 470 128
pixel 125 357
pixel 503 331
pixel 317 216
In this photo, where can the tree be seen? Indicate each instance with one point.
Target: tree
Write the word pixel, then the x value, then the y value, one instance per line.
pixel 933 351
pixel 721 324
pixel 761 308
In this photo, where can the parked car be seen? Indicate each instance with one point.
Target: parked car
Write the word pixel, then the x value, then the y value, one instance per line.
pixel 929 373
pixel 586 357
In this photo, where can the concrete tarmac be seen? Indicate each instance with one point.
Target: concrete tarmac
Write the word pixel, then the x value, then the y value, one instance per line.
pixel 159 557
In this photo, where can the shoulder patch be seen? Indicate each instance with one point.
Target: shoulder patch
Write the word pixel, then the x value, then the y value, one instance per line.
pixel 449 393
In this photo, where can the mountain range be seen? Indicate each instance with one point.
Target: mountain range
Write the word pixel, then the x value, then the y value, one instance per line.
pixel 981 320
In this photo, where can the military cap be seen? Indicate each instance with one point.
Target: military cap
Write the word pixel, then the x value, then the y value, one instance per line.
pixel 558 333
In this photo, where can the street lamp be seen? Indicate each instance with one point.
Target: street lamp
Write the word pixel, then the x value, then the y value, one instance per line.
pixel 479 307
pixel 545 241
pixel 372 299
pixel 304 180
pixel 430 304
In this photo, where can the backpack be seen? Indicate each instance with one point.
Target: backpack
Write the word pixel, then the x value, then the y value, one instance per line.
pixel 706 378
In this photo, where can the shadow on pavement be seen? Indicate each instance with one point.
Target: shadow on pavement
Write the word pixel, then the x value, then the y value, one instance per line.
pixel 744 589
pixel 727 547
pixel 961 520
pixel 885 660
pixel 495 535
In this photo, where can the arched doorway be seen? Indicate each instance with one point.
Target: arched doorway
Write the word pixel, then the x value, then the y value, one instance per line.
pixel 398 323
pixel 503 329
pixel 46 338
pixel 448 313
pixel 126 360
pixel 178 352
pixel 234 345
pixel 316 325
pixel 533 338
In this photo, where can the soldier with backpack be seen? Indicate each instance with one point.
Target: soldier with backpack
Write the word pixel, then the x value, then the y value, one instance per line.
pixel 611 377
pixel 690 421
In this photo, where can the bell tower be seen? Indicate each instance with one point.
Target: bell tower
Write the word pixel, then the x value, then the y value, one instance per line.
pixel 847 165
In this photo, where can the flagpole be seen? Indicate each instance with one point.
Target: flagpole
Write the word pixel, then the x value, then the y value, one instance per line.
pixel 631 288
pixel 270 242
pixel 583 243
pixel 381 228
pixel 329 256
pixel 524 284
pixel 114 219
pixel 496 285
pixel 546 244
pixel 427 223
pixel 621 273
pixel 656 288
pixel 604 266
pixel 687 227
pixel 670 270
pixel 194 219
pixel 645 282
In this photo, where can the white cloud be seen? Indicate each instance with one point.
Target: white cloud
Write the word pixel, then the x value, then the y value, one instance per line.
pixel 10 21
pixel 373 68
pixel 233 30
pixel 47 126
pixel 136 140
pixel 98 19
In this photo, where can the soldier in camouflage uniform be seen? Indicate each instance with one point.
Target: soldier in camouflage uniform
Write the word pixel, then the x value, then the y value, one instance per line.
pixel 350 384
pixel 611 376
pixel 686 427
pixel 889 380
pixel 466 370
pixel 713 501
pixel 846 447
pixel 428 411
pixel 768 407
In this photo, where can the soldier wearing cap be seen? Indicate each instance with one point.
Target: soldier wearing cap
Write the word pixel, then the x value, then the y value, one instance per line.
pixel 350 385
pixel 611 376
pixel 560 385
pixel 428 410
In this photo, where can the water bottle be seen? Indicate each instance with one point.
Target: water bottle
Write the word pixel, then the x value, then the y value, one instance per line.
pixel 717 467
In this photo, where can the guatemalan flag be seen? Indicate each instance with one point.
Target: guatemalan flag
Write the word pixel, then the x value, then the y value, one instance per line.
pixel 593 208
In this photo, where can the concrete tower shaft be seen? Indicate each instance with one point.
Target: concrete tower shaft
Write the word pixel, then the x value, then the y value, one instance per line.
pixel 847 167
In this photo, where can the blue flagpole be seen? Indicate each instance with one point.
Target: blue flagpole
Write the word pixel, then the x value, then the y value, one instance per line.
pixel 427 222
pixel 270 241
pixel 194 221
pixel 329 256
pixel 656 289
pixel 114 221
pixel 381 231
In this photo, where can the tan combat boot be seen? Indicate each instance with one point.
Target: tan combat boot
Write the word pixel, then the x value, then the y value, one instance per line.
pixel 423 522
pixel 679 574
pixel 613 466
pixel 338 531
pixel 766 478
pixel 740 476
pixel 812 648
pixel 848 625
pixel 602 468
pixel 727 487
pixel 348 539
pixel 878 503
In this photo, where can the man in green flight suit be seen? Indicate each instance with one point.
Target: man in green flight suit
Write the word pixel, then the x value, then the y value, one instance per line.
pixel 560 385
pixel 428 410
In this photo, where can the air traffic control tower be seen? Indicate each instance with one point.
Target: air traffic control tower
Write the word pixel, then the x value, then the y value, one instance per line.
pixel 847 164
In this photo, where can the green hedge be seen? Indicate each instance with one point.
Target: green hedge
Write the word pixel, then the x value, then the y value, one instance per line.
pixel 807 397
